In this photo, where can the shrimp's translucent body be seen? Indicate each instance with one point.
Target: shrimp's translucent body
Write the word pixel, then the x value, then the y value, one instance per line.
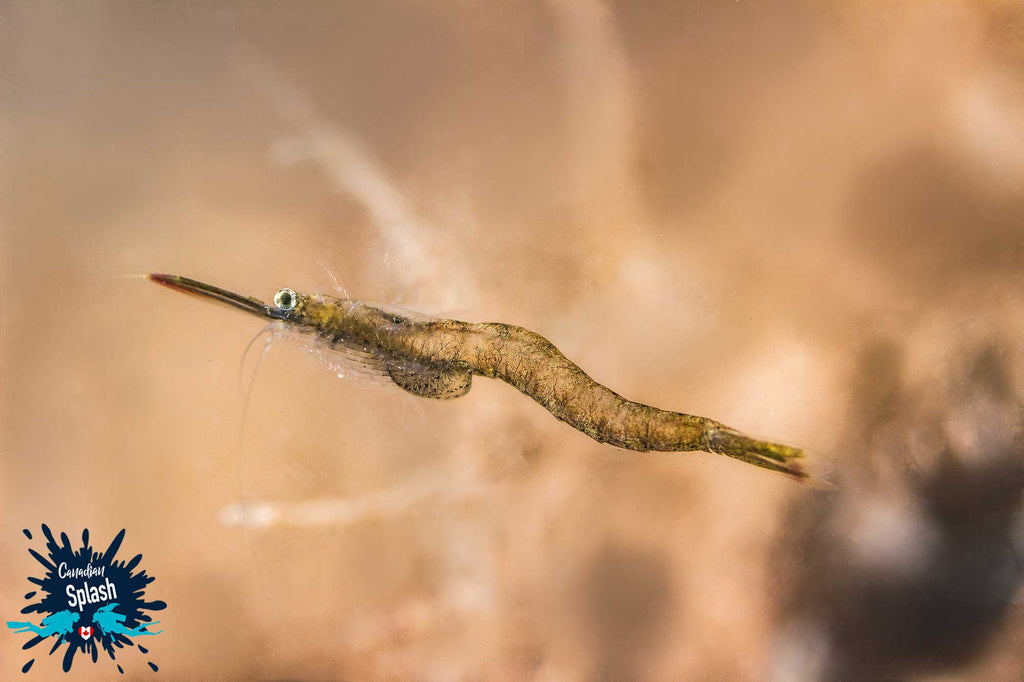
pixel 437 358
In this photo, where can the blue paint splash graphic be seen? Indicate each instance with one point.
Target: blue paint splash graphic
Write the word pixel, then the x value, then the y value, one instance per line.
pixel 89 601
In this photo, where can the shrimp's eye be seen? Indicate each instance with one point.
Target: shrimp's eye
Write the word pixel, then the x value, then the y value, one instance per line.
pixel 286 299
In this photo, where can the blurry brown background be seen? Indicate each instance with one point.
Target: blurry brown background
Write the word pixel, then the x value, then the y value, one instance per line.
pixel 801 218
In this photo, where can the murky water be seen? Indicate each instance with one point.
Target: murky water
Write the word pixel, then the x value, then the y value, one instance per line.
pixel 803 220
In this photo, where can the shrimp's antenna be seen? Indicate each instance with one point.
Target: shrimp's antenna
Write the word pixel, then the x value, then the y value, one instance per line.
pixel 255 371
pixel 246 395
pixel 242 390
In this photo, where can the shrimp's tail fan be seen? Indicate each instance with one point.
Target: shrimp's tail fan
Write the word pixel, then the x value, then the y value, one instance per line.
pixel 761 453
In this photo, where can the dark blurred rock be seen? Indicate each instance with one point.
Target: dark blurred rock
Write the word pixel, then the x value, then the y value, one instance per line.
pixel 908 574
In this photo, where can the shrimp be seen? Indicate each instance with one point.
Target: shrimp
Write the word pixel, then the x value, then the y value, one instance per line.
pixel 438 358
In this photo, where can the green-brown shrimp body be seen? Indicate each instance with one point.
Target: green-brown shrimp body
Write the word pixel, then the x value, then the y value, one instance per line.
pixel 437 358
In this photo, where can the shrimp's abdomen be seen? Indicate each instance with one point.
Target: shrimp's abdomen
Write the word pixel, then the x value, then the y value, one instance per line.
pixel 532 364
